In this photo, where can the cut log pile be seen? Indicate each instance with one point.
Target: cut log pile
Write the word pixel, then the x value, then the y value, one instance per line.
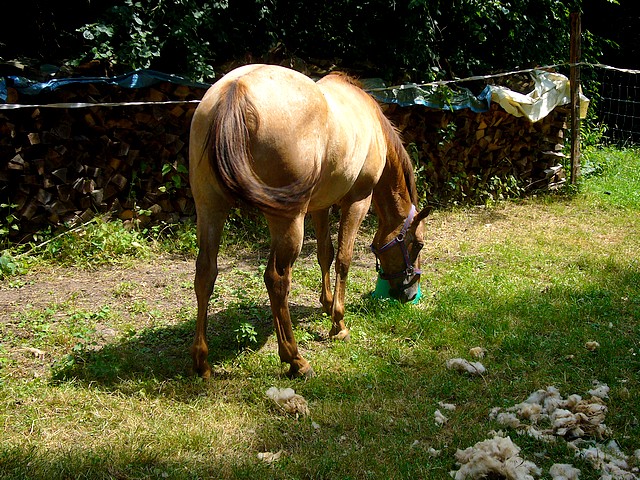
pixel 59 167
pixel 62 166
pixel 466 154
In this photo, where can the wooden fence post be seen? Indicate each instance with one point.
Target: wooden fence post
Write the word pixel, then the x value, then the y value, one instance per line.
pixel 574 80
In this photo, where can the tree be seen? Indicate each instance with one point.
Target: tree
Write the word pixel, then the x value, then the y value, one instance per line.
pixel 416 40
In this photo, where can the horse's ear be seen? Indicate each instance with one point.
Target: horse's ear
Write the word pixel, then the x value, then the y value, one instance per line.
pixel 422 214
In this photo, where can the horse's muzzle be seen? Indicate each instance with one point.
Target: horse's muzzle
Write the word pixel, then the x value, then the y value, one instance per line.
pixel 407 291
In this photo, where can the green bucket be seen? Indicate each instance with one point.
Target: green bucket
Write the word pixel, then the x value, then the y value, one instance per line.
pixel 382 290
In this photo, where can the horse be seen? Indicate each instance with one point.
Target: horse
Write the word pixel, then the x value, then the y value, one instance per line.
pixel 271 138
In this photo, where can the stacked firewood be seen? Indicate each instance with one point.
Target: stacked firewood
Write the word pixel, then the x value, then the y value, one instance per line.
pixel 461 153
pixel 62 166
pixel 59 167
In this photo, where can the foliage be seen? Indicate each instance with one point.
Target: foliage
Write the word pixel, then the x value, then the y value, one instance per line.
pixel 8 222
pixel 176 175
pixel 8 265
pixel 98 241
pixel 136 34
pixel 246 334
pixel 417 40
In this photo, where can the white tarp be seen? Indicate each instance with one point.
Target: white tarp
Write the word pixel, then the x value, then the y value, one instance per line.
pixel 550 90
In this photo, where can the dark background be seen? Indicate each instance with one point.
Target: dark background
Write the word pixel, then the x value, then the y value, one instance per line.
pixel 417 40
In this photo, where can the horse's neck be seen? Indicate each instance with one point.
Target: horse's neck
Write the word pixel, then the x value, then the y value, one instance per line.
pixel 391 198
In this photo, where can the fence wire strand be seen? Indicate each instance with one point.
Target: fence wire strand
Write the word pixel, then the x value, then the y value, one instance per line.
pixel 616 103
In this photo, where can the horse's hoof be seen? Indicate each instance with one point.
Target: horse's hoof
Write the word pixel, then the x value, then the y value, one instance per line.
pixel 202 371
pixel 308 373
pixel 343 335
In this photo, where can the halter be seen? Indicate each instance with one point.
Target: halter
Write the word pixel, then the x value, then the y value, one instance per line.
pixel 400 241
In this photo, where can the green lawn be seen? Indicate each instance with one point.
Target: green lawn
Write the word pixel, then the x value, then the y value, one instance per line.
pixel 96 385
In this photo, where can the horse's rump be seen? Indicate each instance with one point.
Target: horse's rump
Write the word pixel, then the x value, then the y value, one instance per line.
pixel 249 161
pixel 280 142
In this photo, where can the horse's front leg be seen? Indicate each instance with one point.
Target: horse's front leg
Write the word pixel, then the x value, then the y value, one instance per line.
pixel 350 220
pixel 286 242
pixel 325 256
pixel 210 226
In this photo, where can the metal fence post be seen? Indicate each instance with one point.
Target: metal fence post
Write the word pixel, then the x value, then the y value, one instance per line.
pixel 574 80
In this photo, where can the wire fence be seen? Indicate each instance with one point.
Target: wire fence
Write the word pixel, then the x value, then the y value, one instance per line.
pixel 71 152
pixel 616 103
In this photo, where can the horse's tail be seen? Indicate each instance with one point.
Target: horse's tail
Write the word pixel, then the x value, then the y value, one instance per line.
pixel 228 146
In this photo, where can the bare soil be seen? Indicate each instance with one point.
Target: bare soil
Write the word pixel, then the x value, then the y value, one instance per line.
pixel 91 288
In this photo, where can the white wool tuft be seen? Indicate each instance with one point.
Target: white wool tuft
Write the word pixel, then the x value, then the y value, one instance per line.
pixel 529 411
pixel 280 394
pixel 462 365
pixel 563 471
pixel 270 457
pixel 601 390
pixel 477 352
pixel 573 400
pixel 289 400
pixel 538 435
pixel 447 406
pixel 498 456
pixel 433 452
pixel 592 346
pixel 573 417
pixel 508 420
pixel 610 460
pixel 440 418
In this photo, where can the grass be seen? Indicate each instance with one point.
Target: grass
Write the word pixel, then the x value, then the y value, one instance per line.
pixel 531 281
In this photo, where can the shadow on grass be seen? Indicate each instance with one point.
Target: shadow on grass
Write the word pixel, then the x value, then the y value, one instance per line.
pixel 118 462
pixel 162 353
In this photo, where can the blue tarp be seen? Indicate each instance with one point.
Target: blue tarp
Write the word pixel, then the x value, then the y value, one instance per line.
pixel 404 95
pixel 135 79
pixel 431 96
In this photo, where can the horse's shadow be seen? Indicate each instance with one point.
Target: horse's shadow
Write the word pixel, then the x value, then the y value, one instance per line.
pixel 161 354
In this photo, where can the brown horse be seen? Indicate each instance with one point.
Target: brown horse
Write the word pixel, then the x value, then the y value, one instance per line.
pixel 276 140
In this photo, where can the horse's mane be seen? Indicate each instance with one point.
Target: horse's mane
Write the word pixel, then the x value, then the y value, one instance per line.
pixel 397 152
pixel 395 148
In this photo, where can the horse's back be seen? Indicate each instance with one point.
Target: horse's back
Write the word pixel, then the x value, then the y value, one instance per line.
pixel 355 156
pixel 324 135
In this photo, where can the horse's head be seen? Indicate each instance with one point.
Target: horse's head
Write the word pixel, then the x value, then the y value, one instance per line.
pixel 398 256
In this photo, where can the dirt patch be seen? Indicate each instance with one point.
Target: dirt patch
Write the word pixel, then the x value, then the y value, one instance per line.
pixel 89 289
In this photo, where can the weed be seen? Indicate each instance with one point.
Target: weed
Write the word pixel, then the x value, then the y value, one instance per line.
pixel 246 334
pixel 8 222
pixel 125 289
pixel 176 175
pixel 8 265
pixel 139 306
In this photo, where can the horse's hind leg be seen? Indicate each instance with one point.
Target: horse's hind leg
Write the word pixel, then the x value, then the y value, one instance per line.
pixel 325 256
pixel 286 242
pixel 210 226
